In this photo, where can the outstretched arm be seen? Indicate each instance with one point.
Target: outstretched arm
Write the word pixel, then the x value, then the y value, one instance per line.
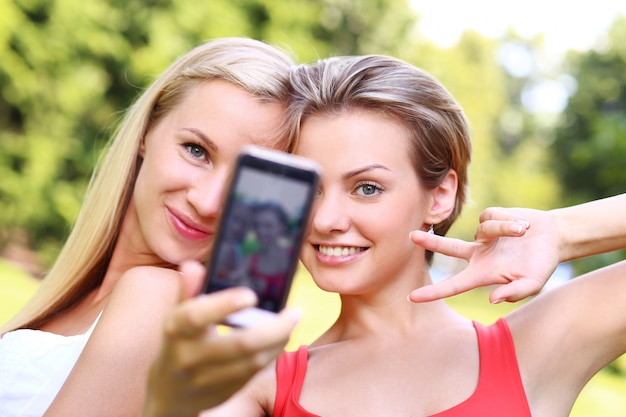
pixel 198 369
pixel 518 249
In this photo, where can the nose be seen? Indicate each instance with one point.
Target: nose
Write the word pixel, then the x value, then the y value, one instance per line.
pixel 330 214
pixel 207 193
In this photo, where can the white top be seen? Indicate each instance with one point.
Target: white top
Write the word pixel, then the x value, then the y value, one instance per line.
pixel 33 367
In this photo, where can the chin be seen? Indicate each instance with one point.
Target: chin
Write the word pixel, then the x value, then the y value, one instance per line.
pixel 339 285
pixel 177 257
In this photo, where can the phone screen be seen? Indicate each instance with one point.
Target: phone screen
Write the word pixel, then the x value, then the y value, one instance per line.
pixel 265 217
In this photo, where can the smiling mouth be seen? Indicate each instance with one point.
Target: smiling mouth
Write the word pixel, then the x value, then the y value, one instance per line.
pixel 339 250
pixel 188 229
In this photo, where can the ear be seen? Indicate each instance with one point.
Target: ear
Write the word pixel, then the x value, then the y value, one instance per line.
pixel 142 147
pixel 443 198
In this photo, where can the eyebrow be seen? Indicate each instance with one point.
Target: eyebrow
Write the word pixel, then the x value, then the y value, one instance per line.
pixel 204 138
pixel 366 168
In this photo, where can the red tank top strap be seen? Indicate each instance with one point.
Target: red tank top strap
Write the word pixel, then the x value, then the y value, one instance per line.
pixel 290 373
pixel 500 389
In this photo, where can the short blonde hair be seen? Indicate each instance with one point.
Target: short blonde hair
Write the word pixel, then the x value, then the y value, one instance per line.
pixel 435 122
pixel 255 66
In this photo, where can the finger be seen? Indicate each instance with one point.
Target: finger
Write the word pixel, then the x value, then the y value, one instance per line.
pixel 499 213
pixel 245 351
pixel 271 334
pixel 449 287
pixel 490 229
pixel 248 349
pixel 444 245
pixel 192 278
pixel 285 323
pixel 515 291
pixel 223 378
pixel 213 350
pixel 192 316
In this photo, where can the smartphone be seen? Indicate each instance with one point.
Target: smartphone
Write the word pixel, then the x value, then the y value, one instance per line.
pixel 266 212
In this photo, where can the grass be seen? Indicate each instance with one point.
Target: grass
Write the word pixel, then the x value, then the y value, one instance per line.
pixel 16 286
pixel 605 395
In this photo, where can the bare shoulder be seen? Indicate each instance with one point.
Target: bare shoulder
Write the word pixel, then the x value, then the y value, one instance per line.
pixel 144 290
pixel 135 311
pixel 150 280
pixel 124 342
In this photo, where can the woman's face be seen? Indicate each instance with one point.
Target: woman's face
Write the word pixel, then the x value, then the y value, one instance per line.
pixel 268 227
pixel 187 158
pixel 370 199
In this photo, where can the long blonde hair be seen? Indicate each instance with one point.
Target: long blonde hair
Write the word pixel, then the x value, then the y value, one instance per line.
pixel 436 124
pixel 255 66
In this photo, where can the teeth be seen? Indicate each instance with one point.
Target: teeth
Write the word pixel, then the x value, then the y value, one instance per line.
pixel 339 250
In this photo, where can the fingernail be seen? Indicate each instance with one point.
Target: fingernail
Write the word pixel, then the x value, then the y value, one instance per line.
pixel 519 227
pixel 498 301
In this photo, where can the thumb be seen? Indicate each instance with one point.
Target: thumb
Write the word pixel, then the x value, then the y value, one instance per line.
pixel 191 278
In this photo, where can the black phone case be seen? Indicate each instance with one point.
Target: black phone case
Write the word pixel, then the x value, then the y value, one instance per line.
pixel 266 211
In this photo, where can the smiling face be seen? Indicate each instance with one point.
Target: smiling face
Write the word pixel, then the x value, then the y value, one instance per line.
pixel 187 158
pixel 370 199
pixel 268 227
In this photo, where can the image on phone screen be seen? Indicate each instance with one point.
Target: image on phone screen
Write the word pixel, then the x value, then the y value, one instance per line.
pixel 261 231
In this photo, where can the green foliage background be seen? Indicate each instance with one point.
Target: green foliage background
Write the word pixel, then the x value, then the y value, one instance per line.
pixel 69 68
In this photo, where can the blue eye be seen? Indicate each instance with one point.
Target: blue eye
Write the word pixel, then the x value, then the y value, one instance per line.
pixel 195 150
pixel 368 189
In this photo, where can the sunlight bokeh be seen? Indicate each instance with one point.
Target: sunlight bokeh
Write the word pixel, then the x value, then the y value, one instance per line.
pixel 565 25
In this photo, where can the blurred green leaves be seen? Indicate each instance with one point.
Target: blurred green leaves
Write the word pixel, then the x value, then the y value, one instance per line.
pixel 590 145
pixel 69 68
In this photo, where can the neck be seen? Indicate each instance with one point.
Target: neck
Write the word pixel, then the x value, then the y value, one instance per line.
pixel 388 313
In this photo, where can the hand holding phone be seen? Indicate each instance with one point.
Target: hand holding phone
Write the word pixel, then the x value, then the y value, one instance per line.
pixel 266 212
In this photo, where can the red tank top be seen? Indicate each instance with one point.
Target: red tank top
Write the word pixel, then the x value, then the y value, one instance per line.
pixel 273 283
pixel 499 391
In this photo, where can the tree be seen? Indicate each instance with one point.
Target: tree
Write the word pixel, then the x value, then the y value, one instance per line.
pixel 590 147
pixel 69 67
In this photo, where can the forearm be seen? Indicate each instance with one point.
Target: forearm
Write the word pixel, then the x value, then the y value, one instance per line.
pixel 592 228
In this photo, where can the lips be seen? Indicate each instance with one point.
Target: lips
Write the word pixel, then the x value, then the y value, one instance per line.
pixel 188 228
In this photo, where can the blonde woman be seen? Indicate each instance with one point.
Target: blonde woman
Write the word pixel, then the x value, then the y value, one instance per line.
pixel 83 344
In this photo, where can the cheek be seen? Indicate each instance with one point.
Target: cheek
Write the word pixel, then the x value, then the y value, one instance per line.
pixel 159 173
pixel 308 258
pixel 391 226
pixel 149 175
pixel 153 181
pixel 143 193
